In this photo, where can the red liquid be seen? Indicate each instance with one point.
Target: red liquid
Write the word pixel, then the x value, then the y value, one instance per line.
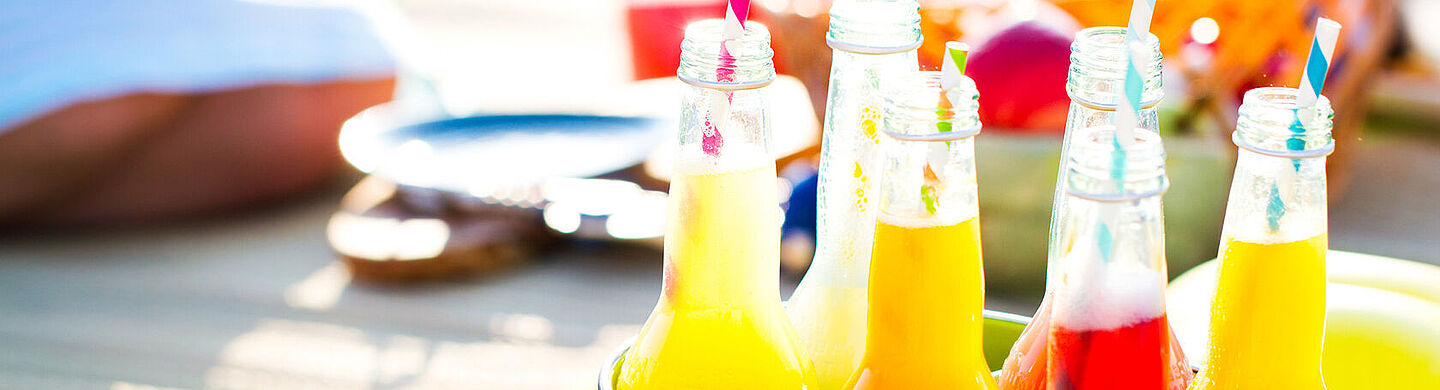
pixel 1027 367
pixel 1136 356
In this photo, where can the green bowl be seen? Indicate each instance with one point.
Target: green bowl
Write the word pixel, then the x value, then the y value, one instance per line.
pixel 1001 331
pixel 1017 186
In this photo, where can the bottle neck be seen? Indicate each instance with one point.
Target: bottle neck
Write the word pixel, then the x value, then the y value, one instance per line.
pixel 874 27
pixel 724 108
pixel 720 124
pixel 930 159
pixel 1096 78
pixel 850 163
pixel 1114 217
pixel 1110 249
pixel 1098 63
pixel 722 226
pixel 1278 193
pixel 708 59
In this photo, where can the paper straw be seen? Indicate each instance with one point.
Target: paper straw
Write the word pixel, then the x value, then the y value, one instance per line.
pixel 1127 112
pixel 1317 65
pixel 954 64
pixel 1312 81
pixel 736 13
pixel 952 70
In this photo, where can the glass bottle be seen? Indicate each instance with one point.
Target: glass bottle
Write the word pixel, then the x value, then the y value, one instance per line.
pixel 927 283
pixel 1095 83
pixel 719 323
pixel 1108 328
pixel 872 41
pixel 1267 322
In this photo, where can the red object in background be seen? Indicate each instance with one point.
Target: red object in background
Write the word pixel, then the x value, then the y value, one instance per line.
pixel 656 29
pixel 1020 73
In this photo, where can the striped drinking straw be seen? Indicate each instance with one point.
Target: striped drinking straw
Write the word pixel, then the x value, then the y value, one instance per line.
pixel 1312 81
pixel 953 66
pixel 1127 112
pixel 736 12
pixel 1127 115
pixel 952 70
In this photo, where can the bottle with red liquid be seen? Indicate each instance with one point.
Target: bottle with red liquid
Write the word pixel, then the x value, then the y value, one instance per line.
pixel 1096 76
pixel 1108 329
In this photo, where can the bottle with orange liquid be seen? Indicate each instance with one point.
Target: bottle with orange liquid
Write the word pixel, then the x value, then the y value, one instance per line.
pixel 1108 329
pixel 1267 321
pixel 927 285
pixel 1097 65
pixel 719 323
pixel 872 41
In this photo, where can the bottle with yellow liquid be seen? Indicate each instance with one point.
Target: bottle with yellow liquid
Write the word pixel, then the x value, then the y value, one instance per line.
pixel 1267 321
pixel 872 41
pixel 719 323
pixel 1094 83
pixel 927 284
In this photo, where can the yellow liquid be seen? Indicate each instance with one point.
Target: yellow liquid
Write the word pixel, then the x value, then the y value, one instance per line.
pixel 927 296
pixel 834 329
pixel 719 323
pixel 1267 323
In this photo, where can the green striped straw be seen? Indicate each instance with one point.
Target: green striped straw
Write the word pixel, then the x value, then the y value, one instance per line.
pixel 952 71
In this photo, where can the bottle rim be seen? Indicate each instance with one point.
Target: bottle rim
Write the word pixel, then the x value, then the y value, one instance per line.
pixel 1098 55
pixel 1145 164
pixel 1268 119
pixel 748 61
pixel 901 111
pixel 875 28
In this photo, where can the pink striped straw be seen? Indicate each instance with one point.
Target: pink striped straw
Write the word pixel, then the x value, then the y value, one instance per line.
pixel 736 12
pixel 735 15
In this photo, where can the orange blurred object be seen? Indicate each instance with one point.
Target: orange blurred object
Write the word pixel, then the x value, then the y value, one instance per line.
pixel 1259 42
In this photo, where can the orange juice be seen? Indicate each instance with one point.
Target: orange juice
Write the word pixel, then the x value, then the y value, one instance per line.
pixel 1268 318
pixel 719 323
pixel 927 293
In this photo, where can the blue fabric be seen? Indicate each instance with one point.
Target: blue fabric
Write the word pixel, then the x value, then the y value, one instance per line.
pixel 801 212
pixel 55 53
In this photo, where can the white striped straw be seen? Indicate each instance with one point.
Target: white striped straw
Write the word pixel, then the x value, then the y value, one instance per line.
pixel 1127 115
pixel 736 12
pixel 953 67
pixel 1312 81
pixel 1317 65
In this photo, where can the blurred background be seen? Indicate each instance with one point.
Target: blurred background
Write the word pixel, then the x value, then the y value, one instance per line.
pixel 470 193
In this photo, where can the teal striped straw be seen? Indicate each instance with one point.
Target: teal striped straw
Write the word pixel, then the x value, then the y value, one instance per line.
pixel 1127 115
pixel 1312 81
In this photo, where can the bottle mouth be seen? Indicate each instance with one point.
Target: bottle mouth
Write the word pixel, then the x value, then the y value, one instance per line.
pixel 1098 60
pixel 913 109
pixel 874 27
pixel 1271 122
pixel 709 60
pixel 1092 158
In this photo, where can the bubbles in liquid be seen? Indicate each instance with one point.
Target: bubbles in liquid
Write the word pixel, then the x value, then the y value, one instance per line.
pixel 734 157
pixel 1116 296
